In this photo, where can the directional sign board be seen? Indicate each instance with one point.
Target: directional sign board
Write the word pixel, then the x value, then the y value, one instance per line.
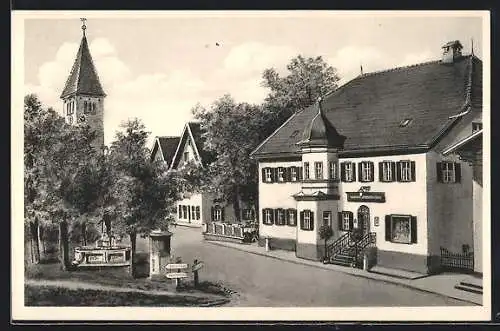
pixel 176 266
pixel 198 266
pixel 173 275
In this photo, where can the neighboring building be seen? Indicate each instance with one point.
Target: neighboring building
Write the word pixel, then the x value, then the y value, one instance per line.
pixel 468 145
pixel 369 156
pixel 83 95
pixel 196 208
pixel 164 149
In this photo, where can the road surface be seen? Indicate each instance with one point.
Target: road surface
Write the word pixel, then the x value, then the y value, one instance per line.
pixel 263 281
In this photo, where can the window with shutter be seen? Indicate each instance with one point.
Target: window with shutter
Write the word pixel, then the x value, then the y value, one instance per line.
pixel 327 218
pixel 450 172
pixel 185 212
pixel 346 220
pixel 401 229
pixel 366 171
pixel 307 220
pixel 348 172
pixel 404 171
pixel 279 217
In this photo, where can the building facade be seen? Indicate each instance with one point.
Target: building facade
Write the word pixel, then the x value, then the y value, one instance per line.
pixel 369 156
pixel 195 209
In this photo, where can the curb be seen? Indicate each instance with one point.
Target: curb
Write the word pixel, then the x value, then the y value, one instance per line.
pixel 388 281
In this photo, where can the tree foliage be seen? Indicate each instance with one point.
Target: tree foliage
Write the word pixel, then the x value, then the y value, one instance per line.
pixel 307 78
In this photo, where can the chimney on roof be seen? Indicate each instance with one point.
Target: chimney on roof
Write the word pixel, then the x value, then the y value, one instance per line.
pixel 451 51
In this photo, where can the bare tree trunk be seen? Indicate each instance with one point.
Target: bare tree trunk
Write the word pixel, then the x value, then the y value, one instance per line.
pixel 41 242
pixel 84 233
pixel 133 242
pixel 34 241
pixel 236 204
pixel 63 245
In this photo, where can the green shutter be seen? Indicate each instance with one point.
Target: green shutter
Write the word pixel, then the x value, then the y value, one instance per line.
pixel 312 221
pixel 458 173
pixel 342 172
pixel 351 221
pixel 372 171
pixel 439 172
pixel 353 172
pixel 412 169
pixel 413 229
pixel 387 227
pixel 398 171
pixel 340 221
pixel 381 171
pixel 264 216
pixel 301 173
pixel 302 220
pixel 360 172
pixel 264 175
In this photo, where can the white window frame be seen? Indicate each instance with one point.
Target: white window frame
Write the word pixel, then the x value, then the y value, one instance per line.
pixel 269 175
pixel 405 171
pixel 217 214
pixel 292 216
pixel 346 222
pixel 349 171
pixel 280 217
pixel 307 220
pixel 318 170
pixel 334 170
pixel 448 172
pixel 281 174
pixel 327 216
pixel 306 170
pixel 293 174
pixel 387 174
pixel 366 171
pixel 268 216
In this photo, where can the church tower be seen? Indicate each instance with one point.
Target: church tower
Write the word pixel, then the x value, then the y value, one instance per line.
pixel 83 95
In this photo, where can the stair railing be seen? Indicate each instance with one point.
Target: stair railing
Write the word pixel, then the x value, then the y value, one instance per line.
pixel 368 240
pixel 338 244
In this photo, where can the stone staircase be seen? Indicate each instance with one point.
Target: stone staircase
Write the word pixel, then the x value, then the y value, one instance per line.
pixel 347 252
pixel 469 286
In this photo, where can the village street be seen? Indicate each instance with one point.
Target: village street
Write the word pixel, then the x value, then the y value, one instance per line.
pixel 263 281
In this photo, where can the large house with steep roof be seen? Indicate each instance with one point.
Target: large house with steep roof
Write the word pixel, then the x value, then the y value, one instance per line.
pixel 369 156
pixel 195 209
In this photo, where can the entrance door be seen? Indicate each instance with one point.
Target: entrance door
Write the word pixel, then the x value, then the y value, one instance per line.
pixel 364 219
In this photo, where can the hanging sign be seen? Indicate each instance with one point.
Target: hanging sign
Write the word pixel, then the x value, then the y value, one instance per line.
pixel 366 196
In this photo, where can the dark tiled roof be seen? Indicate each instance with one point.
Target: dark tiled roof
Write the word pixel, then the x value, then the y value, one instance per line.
pixel 83 78
pixel 368 110
pixel 168 147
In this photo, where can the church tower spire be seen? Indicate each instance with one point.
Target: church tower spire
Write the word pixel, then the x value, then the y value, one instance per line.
pixel 83 95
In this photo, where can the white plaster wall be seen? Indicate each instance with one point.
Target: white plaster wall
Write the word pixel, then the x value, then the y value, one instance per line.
pixel 277 195
pixel 477 191
pixel 450 207
pixel 188 147
pixel 191 200
pixel 317 207
pixel 401 198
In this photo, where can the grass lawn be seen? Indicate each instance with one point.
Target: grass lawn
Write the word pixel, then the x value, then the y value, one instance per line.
pixel 58 296
pixel 119 277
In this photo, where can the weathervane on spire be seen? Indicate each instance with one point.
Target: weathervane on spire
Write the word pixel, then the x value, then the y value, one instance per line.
pixel 84 27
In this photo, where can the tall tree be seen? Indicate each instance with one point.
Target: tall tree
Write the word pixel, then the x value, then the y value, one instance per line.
pixel 54 152
pixel 144 192
pixel 306 80
pixel 231 131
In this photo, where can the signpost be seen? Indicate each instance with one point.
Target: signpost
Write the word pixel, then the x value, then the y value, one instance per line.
pixel 176 275
pixel 176 266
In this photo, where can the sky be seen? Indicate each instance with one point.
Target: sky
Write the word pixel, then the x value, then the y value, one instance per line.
pixel 156 68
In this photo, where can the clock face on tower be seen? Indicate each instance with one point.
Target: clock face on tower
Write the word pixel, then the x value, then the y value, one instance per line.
pixel 81 119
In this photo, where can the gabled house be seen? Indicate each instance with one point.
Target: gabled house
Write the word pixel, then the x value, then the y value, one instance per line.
pixel 164 149
pixel 195 209
pixel 369 156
